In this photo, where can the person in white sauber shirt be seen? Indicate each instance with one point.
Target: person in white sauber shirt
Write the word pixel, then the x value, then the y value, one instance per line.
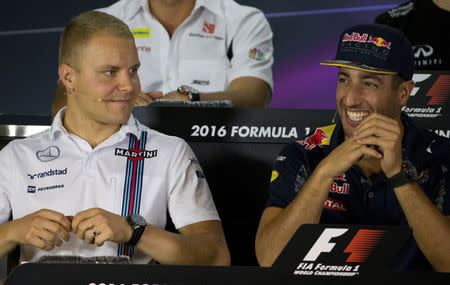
pixel 98 183
pixel 219 48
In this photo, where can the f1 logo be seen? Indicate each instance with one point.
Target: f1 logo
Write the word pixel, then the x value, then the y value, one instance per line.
pixel 359 247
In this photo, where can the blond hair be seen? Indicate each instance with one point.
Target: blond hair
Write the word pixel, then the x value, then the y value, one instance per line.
pixel 80 29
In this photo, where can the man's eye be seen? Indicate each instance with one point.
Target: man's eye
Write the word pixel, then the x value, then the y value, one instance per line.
pixel 133 70
pixel 370 84
pixel 110 72
pixel 342 80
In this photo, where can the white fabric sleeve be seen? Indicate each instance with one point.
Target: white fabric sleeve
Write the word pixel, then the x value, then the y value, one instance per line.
pixel 6 183
pixel 189 198
pixel 250 34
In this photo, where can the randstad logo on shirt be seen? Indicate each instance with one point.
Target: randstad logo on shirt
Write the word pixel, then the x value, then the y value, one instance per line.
pixel 141 32
pixel 51 172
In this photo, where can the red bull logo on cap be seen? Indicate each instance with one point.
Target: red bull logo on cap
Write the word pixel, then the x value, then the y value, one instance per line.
pixel 355 37
pixel 379 42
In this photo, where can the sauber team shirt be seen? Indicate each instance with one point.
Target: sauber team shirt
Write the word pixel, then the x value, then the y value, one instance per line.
pixel 199 52
pixel 136 170
pixel 356 199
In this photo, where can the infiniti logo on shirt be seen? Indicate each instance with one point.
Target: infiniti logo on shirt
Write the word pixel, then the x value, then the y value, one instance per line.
pixel 48 154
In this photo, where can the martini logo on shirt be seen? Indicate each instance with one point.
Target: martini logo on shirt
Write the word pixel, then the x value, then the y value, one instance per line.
pixel 141 32
pixel 135 153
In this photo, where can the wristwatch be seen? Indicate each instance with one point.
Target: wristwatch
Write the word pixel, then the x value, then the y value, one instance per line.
pixel 406 175
pixel 138 224
pixel 192 93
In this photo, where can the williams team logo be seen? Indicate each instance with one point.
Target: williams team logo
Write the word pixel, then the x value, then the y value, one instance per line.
pixel 136 154
pixel 48 154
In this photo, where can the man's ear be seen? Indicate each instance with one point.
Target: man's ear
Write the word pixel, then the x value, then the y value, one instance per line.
pixel 67 76
pixel 405 89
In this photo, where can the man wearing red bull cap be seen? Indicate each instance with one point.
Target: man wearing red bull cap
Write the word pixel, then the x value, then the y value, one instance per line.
pixel 374 166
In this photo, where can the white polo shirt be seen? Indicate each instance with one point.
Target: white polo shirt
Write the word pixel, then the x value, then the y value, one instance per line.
pixel 136 170
pixel 197 53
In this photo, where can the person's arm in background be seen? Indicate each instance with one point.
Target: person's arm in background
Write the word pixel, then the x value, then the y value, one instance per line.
pixel 250 76
pixel 242 92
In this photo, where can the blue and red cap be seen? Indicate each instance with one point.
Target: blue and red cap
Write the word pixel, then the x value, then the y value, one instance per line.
pixel 375 48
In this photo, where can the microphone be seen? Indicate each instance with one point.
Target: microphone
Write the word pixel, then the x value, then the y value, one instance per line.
pixel 94 99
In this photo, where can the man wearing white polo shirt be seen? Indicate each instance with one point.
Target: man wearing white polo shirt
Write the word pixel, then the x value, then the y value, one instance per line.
pixel 215 48
pixel 98 183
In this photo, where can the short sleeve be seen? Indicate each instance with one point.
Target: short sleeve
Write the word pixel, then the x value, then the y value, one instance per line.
pixel 289 174
pixel 251 45
pixel 189 198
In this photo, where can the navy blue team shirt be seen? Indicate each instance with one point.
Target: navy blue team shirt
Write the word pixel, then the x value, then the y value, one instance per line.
pixel 356 199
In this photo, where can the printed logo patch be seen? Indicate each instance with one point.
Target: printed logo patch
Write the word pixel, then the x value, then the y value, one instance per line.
pixel 194 160
pixel 208 28
pixel 200 174
pixel 141 32
pixel 256 53
pixel 333 204
pixel 340 189
pixel 320 137
pixel 379 42
pixel 200 82
pixel 48 154
pixel 423 176
pixel 356 37
pixel 51 172
pixel 274 176
pixel 136 154
pixel 33 189
pixel 281 158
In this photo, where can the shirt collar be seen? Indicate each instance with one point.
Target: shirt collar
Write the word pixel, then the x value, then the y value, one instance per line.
pixel 132 126
pixel 135 6
pixel 211 5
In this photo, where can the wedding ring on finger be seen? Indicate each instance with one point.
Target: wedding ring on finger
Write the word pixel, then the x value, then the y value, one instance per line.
pixel 93 231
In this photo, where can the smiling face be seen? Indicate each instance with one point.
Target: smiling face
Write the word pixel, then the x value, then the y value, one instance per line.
pixel 105 82
pixel 360 93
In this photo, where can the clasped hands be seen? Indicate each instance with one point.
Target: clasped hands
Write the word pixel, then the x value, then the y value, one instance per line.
pixel 46 229
pixel 377 136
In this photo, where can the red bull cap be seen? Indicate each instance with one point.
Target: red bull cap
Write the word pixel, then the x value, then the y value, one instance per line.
pixel 375 48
